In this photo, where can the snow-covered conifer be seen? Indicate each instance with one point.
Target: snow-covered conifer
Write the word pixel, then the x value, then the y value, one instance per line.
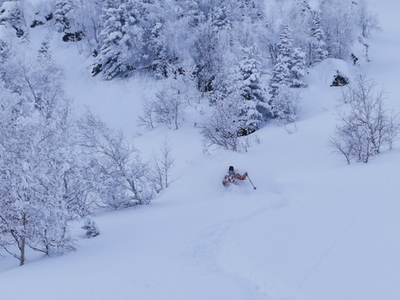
pixel 298 68
pixel 219 18
pixel 286 104
pixel 121 39
pixel 44 51
pixel 285 45
pixel 317 48
pixel 281 71
pixel 252 94
pixel 63 15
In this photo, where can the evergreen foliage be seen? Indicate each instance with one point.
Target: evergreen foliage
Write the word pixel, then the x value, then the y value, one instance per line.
pixel 317 46
pixel 281 73
pixel 63 15
pixel 252 101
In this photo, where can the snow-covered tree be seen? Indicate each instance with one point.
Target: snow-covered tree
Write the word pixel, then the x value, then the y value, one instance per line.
pixel 317 47
pixel 45 51
pixel 281 70
pixel 285 45
pixel 12 13
pixel 250 92
pixel 220 128
pixel 63 15
pixel 298 68
pixel 280 74
pixel 131 38
pixel 299 17
pixel 121 37
pixel 168 105
pixel 366 20
pixel 46 178
pixel 42 81
pixel 247 10
pixel 338 21
pixel 191 11
pixel 287 72
pixel 286 104
pixel 35 153
pixel 219 17
pixel 5 55
pixel 208 56
pixel 79 20
pixel 162 165
pixel 123 176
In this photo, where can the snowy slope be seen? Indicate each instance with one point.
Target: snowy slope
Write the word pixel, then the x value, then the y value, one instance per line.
pixel 315 228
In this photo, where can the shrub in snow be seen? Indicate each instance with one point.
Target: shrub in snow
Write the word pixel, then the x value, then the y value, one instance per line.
pixel 220 128
pixel 73 36
pixel 286 104
pixel 339 80
pixel 90 227
pixel 365 125
pixel 168 105
pixel 162 166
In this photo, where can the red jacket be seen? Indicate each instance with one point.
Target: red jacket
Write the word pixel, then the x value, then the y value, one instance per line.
pixel 228 179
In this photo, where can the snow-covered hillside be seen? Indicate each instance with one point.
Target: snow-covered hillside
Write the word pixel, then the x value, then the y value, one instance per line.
pixel 315 228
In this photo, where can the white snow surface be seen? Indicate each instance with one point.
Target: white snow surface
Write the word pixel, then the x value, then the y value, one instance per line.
pixel 314 229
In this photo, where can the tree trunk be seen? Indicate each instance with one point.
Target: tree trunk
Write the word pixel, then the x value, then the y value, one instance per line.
pixel 22 245
pixel 22 249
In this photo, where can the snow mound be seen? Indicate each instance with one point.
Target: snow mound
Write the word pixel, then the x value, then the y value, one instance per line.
pixel 324 73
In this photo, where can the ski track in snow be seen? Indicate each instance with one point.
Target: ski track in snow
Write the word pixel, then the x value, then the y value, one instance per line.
pixel 205 247
pixel 327 251
pixel 206 244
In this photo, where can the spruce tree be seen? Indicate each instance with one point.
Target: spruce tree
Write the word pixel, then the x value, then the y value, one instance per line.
pixel 117 55
pixel 63 15
pixel 317 48
pixel 298 68
pixel 253 107
pixel 281 70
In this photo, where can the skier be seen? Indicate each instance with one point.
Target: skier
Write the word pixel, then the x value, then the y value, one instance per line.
pixel 233 177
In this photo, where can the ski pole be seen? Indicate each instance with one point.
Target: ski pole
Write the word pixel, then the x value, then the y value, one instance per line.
pixel 251 181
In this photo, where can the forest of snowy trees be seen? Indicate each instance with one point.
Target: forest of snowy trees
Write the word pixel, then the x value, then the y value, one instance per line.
pixel 245 59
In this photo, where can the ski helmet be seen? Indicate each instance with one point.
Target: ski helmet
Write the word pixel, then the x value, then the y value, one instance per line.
pixel 231 170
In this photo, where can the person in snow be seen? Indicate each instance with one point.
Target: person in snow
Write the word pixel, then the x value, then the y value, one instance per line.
pixel 233 177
